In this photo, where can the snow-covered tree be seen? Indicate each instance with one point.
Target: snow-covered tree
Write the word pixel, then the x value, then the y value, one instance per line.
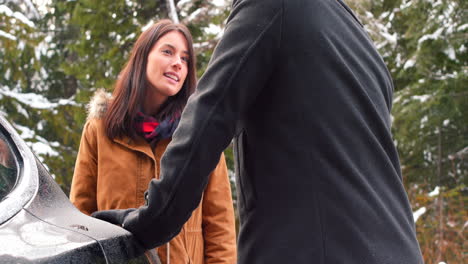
pixel 424 45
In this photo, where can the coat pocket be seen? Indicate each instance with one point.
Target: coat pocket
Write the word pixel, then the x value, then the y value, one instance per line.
pixel 246 191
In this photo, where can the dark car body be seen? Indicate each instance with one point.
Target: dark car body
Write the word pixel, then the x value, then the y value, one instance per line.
pixel 38 224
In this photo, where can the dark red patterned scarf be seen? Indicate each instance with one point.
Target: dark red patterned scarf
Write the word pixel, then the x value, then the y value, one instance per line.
pixel 152 129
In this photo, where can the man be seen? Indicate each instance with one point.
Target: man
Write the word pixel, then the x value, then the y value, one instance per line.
pixel 301 87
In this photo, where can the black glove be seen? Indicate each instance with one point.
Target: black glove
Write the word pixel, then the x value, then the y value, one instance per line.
pixel 151 225
pixel 146 230
pixel 116 217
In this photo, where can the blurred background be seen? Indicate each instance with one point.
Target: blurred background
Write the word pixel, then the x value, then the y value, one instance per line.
pixel 54 54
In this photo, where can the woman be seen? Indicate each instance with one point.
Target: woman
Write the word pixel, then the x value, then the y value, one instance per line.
pixel 126 134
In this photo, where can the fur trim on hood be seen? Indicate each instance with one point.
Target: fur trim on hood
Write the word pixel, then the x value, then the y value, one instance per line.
pixel 97 107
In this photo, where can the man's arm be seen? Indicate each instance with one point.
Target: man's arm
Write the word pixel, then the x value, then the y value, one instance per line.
pixel 240 67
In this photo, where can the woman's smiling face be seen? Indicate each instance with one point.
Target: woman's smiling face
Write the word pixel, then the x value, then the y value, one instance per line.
pixel 167 67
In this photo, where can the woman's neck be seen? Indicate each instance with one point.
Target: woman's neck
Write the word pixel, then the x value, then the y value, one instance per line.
pixel 153 103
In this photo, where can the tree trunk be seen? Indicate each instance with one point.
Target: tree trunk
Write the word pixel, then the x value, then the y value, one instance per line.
pixel 440 200
pixel 172 11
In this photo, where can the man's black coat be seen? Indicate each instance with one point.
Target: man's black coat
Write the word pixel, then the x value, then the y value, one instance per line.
pixel 301 87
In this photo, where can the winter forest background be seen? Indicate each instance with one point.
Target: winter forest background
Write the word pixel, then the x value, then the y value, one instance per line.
pixel 55 54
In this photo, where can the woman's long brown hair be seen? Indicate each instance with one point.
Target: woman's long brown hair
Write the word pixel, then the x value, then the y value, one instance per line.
pixel 132 84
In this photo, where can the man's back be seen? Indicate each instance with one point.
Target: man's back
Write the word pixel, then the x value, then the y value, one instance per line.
pixel 318 173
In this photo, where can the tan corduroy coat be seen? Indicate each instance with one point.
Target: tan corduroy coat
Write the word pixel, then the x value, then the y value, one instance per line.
pixel 114 174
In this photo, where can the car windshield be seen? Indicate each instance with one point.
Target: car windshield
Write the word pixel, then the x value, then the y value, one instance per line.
pixel 8 167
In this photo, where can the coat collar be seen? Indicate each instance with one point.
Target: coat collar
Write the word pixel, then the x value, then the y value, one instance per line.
pixel 97 107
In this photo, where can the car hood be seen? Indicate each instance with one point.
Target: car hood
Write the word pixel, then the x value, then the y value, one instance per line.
pixel 38 220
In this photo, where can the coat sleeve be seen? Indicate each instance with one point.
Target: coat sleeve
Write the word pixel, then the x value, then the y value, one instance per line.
pixel 83 188
pixel 238 72
pixel 219 230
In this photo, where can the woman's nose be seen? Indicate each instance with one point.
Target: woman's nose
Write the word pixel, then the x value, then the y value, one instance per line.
pixel 177 63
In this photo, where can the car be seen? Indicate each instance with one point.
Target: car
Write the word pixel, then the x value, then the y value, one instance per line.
pixel 38 223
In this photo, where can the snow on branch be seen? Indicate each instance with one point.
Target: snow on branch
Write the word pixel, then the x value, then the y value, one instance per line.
pixel 34 100
pixel 17 15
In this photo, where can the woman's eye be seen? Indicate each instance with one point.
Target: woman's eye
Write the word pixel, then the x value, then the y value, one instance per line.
pixel 186 59
pixel 167 52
